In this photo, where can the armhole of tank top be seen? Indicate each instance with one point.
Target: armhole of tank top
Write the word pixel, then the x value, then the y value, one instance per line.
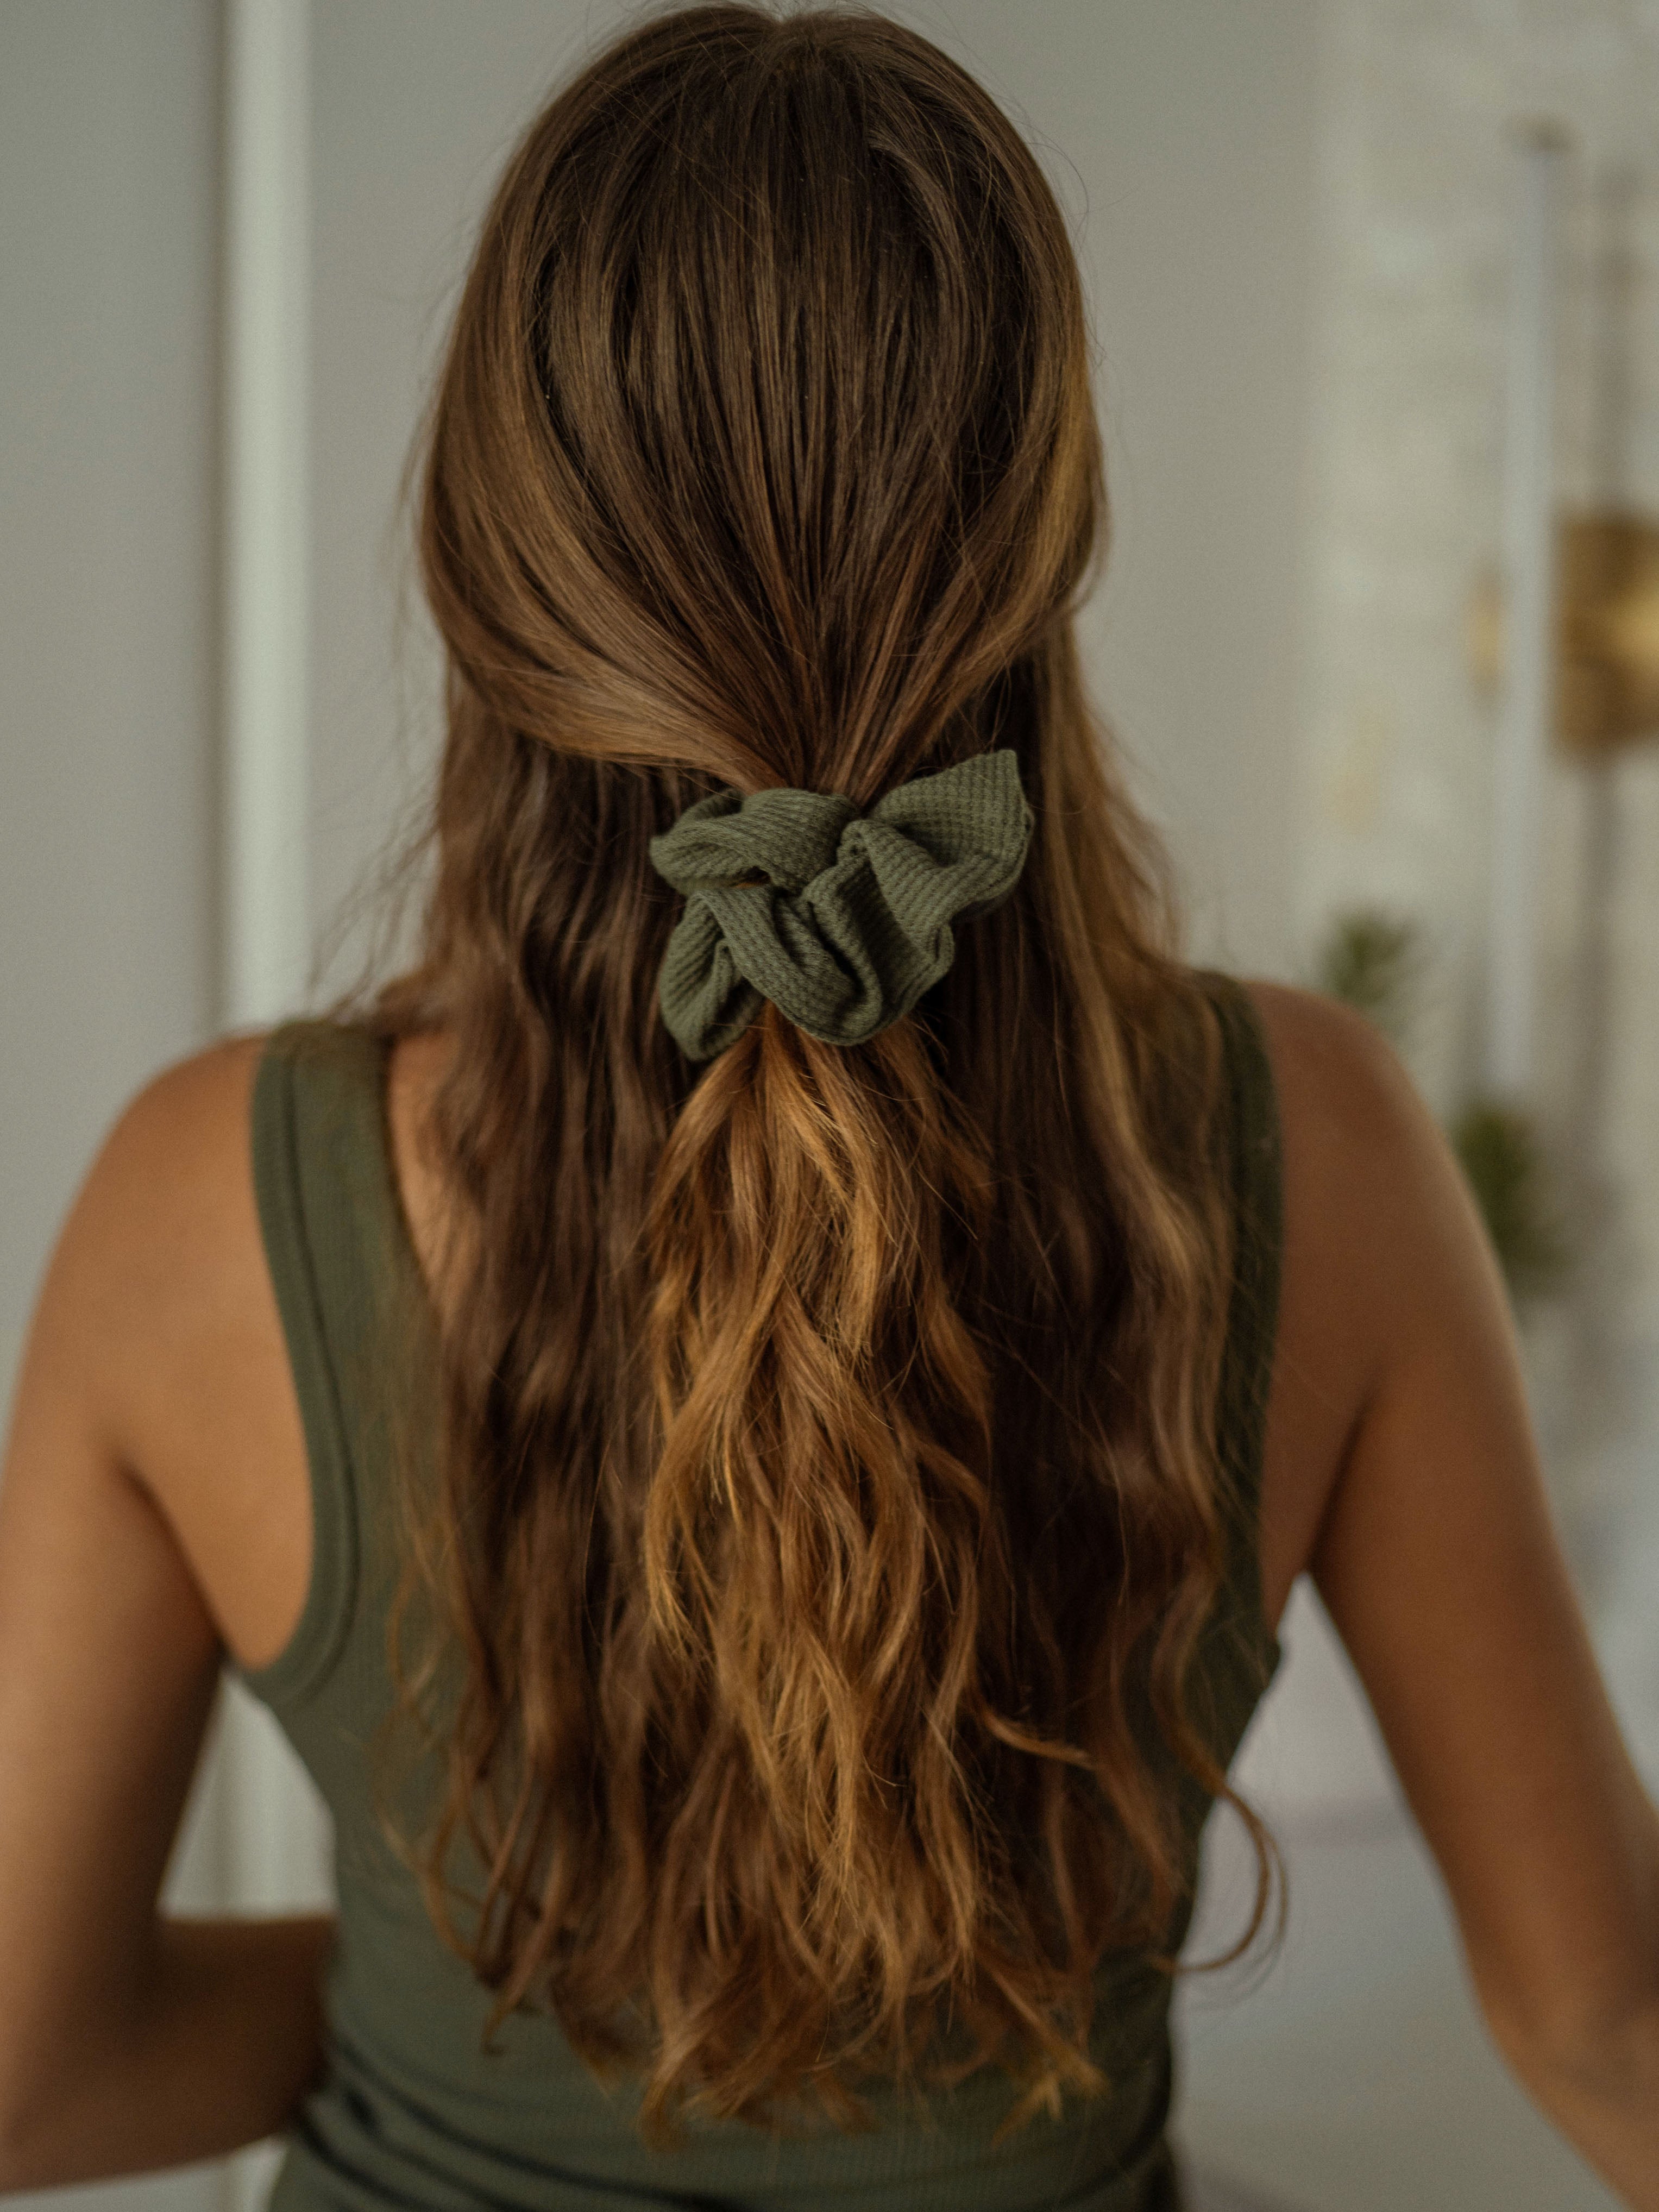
pixel 1253 1306
pixel 278 1132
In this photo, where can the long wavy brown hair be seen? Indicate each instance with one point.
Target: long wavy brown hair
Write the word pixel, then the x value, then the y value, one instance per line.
pixel 826 1503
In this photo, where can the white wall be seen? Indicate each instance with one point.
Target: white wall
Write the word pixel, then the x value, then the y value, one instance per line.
pixel 108 675
pixel 107 154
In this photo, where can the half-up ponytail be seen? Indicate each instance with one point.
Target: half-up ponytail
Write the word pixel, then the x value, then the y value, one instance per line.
pixel 827 1507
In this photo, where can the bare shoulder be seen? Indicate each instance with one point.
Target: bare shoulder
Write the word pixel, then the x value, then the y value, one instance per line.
pixel 1369 1176
pixel 180 1132
pixel 1343 1090
pixel 159 1261
pixel 156 1364
pixel 191 1111
pixel 1380 1240
pixel 169 1154
pixel 1402 1471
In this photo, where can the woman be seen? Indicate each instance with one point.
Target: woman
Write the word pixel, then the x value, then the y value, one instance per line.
pixel 753 1414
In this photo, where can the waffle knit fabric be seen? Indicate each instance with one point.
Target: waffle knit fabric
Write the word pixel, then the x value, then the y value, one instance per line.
pixel 842 918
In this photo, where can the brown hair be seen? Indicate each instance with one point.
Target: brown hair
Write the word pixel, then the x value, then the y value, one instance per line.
pixel 828 1491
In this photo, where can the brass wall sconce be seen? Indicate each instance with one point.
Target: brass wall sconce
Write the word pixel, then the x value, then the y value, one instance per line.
pixel 1606 688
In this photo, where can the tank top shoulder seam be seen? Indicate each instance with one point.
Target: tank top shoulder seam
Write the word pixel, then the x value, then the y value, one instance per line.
pixel 288 1119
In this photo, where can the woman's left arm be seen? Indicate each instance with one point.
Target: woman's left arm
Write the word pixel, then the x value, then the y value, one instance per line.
pixel 129 2041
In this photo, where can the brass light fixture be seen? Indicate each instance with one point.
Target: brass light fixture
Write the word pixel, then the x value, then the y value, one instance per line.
pixel 1607 684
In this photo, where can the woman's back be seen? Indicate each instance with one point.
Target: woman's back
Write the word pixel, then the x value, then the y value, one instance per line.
pixel 1395 1465
pixel 411 2108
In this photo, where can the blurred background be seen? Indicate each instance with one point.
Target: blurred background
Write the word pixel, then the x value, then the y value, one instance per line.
pixel 1376 290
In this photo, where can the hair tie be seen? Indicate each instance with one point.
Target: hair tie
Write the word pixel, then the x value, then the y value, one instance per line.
pixel 842 920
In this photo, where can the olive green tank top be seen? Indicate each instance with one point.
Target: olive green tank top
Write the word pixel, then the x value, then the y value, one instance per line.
pixel 409 2110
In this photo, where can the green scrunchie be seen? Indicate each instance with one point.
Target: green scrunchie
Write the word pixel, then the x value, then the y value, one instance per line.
pixel 842 918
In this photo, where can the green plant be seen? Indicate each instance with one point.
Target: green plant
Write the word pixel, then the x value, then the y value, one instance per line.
pixel 1372 961
pixel 1497 1145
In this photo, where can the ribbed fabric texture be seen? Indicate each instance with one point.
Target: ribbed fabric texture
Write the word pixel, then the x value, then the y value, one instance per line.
pixel 411 2110
pixel 842 918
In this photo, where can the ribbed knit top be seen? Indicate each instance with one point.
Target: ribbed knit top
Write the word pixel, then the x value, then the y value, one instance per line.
pixel 410 2110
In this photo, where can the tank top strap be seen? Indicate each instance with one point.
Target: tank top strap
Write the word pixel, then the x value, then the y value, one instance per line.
pixel 337 1248
pixel 1243 1650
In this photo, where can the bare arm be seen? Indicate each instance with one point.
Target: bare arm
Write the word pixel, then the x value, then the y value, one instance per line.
pixel 1434 1551
pixel 127 2041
